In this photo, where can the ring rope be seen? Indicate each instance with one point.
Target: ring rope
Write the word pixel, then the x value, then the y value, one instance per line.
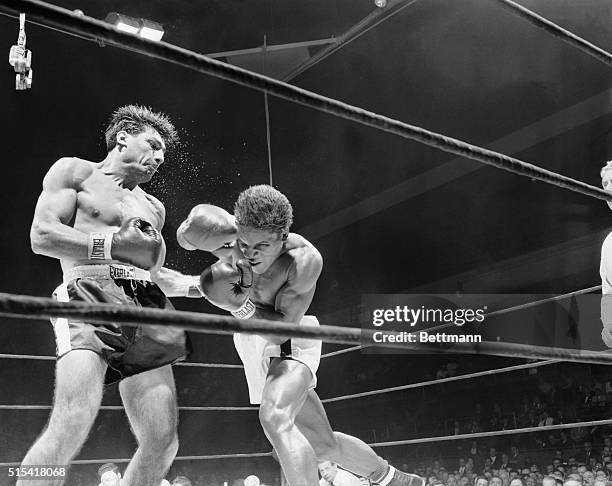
pixel 120 407
pixel 334 399
pixel 179 458
pixel 180 363
pixel 29 307
pixel 505 310
pixel 341 351
pixel 535 303
pixel 558 31
pixel 476 435
pixel 60 17
pixel 442 380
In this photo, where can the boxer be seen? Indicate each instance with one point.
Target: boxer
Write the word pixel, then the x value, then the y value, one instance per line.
pixel 264 271
pixel 105 231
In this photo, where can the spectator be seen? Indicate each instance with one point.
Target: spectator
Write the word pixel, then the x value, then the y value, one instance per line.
pixel 588 478
pixel 252 480
pixel 109 474
pixel 481 481
pixel 572 482
pixel 332 476
pixel 495 459
pixel 516 458
pixel 181 481
pixel 588 452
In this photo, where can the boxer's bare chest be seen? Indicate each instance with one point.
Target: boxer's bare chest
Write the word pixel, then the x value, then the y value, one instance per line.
pixel 266 286
pixel 101 202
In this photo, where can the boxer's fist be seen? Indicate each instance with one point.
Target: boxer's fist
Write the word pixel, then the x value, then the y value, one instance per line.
pixel 228 286
pixel 207 228
pixel 137 242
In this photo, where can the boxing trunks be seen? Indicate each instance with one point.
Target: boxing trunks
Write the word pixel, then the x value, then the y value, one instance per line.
pixel 256 352
pixel 127 350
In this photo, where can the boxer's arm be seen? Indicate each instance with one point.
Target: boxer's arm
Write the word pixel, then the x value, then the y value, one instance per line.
pixel 51 234
pixel 176 284
pixel 294 298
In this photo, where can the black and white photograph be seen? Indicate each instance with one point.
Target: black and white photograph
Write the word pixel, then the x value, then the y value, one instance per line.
pixel 306 243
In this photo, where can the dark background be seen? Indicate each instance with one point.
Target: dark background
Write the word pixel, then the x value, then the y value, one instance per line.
pixel 387 214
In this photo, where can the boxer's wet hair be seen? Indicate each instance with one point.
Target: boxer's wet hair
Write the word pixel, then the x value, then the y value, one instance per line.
pixel 264 208
pixel 135 119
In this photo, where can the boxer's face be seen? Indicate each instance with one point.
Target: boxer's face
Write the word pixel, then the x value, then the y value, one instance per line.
pixel 143 152
pixel 261 248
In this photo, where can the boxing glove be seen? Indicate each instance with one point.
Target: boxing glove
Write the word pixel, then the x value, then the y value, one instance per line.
pixel 606 319
pixel 137 242
pixel 228 287
pixel 207 228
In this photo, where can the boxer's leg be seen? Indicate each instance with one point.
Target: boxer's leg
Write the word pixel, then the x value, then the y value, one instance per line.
pixel 149 399
pixel 78 394
pixel 349 452
pixel 286 388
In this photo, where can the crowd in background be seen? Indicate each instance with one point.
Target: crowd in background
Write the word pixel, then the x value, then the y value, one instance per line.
pixel 532 398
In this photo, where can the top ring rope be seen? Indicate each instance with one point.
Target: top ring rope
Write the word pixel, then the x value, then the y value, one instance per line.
pixel 73 23
pixel 558 31
pixel 29 307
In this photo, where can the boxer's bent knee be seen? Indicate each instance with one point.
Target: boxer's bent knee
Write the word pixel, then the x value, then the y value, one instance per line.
pixel 273 419
pixel 71 423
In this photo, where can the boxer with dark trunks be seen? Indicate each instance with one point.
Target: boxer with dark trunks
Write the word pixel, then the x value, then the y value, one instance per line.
pixel 105 231
pixel 264 271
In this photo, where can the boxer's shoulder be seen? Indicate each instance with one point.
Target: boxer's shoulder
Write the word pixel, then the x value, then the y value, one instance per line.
pixel 303 260
pixel 301 251
pixel 70 171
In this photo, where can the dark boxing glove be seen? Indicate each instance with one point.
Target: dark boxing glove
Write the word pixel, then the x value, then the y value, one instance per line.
pixel 228 287
pixel 137 242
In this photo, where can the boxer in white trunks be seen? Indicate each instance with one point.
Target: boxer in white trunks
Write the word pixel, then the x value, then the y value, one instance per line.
pixel 264 271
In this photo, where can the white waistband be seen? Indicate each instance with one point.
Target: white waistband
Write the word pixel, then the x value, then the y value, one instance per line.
pixel 114 270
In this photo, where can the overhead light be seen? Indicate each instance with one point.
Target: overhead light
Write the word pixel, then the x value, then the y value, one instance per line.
pixel 151 30
pixel 145 28
pixel 123 22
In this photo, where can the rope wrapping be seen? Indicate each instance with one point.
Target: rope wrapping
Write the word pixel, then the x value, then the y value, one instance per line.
pixel 73 23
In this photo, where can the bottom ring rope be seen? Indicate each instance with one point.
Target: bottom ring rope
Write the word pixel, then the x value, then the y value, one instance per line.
pixel 30 307
pixel 422 440
pixel 120 407
pixel 186 364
